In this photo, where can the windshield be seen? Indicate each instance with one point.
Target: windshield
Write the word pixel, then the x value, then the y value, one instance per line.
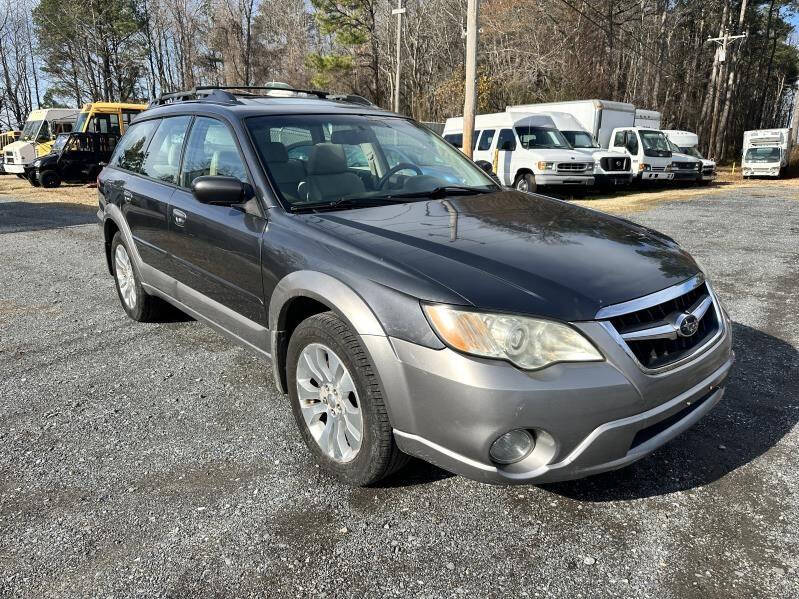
pixel 541 137
pixel 580 139
pixel 317 160
pixel 690 150
pixel 81 122
pixel 655 140
pixel 30 130
pixel 767 154
pixel 59 143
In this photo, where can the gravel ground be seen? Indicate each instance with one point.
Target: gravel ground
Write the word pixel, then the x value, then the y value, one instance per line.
pixel 158 460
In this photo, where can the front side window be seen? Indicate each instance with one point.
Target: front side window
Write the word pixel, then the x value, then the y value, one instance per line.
pixel 486 139
pixel 163 154
pixel 356 157
pixel 211 151
pixel 130 151
pixel 580 139
pixel 541 137
pixel 44 132
pixel 618 139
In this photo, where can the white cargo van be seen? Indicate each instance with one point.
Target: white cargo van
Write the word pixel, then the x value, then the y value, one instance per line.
pixel 610 168
pixel 648 150
pixel 687 143
pixel 766 152
pixel 526 151
pixel 599 117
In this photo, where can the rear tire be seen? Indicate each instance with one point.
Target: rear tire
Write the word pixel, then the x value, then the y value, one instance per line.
pixel 339 392
pixel 49 179
pixel 136 302
pixel 525 182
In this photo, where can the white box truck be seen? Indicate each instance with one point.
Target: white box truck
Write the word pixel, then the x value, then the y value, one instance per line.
pixel 599 117
pixel 526 151
pixel 766 152
pixel 610 168
pixel 687 143
pixel 40 130
pixel 648 119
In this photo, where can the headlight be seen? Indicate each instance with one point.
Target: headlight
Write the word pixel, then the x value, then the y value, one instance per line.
pixel 546 166
pixel 696 166
pixel 529 343
pixel 643 167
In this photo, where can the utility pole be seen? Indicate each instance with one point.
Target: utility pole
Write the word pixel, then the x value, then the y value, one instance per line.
pixel 723 42
pixel 470 99
pixel 399 11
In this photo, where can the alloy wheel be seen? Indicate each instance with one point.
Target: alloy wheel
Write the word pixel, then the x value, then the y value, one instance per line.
pixel 329 402
pixel 125 277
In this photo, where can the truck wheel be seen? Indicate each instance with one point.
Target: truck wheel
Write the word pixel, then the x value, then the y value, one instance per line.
pixel 525 182
pixel 34 180
pixel 337 400
pixel 49 179
pixel 138 304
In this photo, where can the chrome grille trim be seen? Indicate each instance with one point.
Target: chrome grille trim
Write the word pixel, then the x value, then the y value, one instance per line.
pixel 653 299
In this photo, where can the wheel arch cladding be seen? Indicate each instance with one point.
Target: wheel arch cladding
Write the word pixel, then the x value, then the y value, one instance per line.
pixel 304 293
pixel 109 230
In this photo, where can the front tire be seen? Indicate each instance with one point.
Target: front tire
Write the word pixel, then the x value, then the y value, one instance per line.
pixel 337 401
pixel 136 302
pixel 49 179
pixel 525 182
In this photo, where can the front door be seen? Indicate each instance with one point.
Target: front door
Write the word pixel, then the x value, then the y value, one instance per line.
pixel 506 146
pixel 215 250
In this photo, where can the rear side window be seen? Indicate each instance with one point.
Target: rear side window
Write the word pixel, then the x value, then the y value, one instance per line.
pixel 211 150
pixel 130 151
pixel 506 140
pixel 163 154
pixel 485 139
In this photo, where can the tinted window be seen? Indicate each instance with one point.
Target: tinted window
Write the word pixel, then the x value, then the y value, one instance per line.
pixel 211 150
pixel 579 139
pixel 541 137
pixel 456 139
pixel 618 139
pixel 163 154
pixel 130 152
pixel 485 139
pixel 506 140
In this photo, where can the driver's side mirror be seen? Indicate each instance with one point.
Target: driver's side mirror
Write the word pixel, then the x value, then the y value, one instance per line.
pixel 221 191
pixel 486 166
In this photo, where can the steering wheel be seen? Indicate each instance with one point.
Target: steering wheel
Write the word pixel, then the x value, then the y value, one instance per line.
pixel 397 168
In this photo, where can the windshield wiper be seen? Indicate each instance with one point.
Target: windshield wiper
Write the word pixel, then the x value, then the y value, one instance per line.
pixel 394 198
pixel 438 192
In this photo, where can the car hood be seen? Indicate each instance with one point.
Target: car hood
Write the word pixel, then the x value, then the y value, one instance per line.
pixel 509 251
pixel 558 155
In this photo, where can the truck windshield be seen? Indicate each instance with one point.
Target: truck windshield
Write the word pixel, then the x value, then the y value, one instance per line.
pixel 31 130
pixel 580 139
pixel 691 151
pixel 59 143
pixel 655 143
pixel 346 161
pixel 81 122
pixel 767 154
pixel 541 137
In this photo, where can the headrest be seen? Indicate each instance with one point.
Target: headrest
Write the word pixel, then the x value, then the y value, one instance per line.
pixel 327 159
pixel 275 152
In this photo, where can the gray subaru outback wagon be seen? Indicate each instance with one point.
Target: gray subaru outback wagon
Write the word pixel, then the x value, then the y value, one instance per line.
pixel 408 304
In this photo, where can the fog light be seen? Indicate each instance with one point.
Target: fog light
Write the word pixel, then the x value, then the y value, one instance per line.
pixel 512 447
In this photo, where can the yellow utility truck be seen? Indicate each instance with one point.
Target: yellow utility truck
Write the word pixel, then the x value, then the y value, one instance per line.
pixel 43 126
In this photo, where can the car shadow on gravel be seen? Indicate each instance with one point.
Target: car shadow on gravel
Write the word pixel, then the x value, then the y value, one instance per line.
pixel 18 217
pixel 758 409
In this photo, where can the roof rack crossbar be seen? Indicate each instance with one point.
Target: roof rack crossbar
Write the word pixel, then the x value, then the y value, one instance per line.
pixel 228 94
pixel 321 94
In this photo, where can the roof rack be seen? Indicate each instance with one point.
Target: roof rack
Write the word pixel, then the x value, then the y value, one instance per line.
pixel 228 94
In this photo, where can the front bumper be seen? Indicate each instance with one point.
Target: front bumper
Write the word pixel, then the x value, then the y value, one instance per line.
pixel 17 169
pixel 687 175
pixel 563 179
pixel 448 408
pixel 613 179
pixel 654 176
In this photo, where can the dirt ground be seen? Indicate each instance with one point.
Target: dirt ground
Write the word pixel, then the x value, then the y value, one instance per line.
pixel 20 189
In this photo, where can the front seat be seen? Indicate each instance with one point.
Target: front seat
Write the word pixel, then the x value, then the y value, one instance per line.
pixel 328 175
pixel 286 173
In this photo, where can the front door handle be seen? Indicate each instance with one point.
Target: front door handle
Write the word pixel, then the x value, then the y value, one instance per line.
pixel 179 216
pixel 127 196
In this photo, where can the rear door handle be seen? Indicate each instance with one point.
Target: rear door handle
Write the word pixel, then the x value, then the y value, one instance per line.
pixel 179 216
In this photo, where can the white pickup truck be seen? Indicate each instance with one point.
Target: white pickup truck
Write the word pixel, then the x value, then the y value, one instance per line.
pixel 648 150
pixel 525 151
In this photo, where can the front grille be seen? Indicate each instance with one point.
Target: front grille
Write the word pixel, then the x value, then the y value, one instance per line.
pixel 708 170
pixel 615 164
pixel 658 169
pixel 656 353
pixel 573 167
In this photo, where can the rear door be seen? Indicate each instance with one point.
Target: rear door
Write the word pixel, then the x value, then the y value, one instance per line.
pixel 143 201
pixel 216 249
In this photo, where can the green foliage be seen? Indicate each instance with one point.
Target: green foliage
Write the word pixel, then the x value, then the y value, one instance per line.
pixel 328 69
pixel 349 22
pixel 50 99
